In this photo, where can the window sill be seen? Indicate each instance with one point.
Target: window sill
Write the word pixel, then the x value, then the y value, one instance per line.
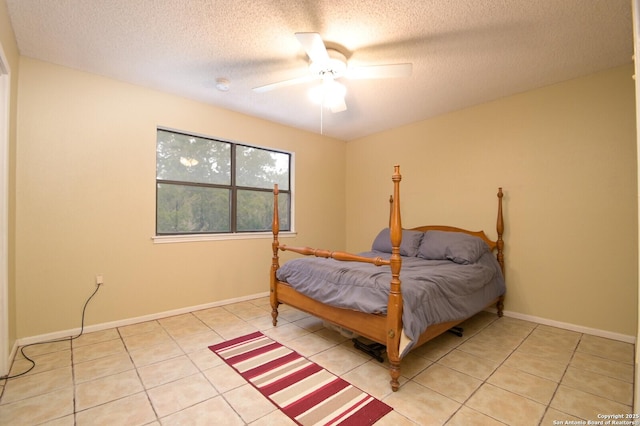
pixel 166 239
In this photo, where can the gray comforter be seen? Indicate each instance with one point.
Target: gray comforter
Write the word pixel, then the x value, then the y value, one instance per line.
pixel 433 291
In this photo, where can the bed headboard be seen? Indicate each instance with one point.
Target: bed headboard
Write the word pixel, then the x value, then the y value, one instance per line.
pixel 498 244
pixel 480 234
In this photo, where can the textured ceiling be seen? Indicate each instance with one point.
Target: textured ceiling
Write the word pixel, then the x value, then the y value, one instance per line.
pixel 463 52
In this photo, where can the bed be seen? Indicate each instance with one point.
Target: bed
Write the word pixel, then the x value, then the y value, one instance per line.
pixel 448 275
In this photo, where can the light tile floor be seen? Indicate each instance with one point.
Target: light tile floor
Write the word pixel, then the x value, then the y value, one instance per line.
pixel 503 371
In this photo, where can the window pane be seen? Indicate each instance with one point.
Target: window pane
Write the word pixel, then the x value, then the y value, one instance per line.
pixel 284 211
pixel 192 159
pixel 192 209
pixel 255 211
pixel 261 168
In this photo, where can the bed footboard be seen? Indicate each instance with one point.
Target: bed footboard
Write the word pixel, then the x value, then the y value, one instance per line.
pixel 388 335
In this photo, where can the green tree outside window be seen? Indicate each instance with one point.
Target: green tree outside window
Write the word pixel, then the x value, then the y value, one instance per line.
pixel 205 185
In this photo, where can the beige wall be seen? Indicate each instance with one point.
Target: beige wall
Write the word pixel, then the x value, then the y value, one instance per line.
pixel 565 155
pixel 86 202
pixel 10 49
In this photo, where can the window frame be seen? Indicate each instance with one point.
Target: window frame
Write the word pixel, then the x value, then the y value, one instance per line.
pixel 233 234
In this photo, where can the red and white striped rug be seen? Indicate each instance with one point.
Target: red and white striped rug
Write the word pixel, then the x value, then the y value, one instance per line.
pixel 304 391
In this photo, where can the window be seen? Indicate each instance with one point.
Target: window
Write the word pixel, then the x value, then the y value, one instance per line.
pixel 207 186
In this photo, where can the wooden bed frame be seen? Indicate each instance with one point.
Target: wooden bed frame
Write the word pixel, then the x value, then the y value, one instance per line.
pixel 383 329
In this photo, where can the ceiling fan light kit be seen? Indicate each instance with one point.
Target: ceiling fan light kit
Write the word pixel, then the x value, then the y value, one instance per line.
pixel 330 94
pixel 333 66
pixel 329 65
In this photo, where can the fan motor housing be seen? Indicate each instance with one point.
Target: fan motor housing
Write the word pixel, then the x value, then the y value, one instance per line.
pixel 334 67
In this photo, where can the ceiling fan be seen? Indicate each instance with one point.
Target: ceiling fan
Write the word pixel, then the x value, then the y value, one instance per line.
pixel 328 65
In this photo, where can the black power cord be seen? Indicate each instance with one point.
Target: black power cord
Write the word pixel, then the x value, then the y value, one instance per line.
pixel 70 338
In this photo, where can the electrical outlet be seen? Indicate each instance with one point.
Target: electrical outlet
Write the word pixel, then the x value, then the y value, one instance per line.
pixel 99 279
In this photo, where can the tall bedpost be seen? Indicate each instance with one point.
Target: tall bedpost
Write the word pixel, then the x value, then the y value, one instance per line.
pixel 394 308
pixel 275 263
pixel 500 247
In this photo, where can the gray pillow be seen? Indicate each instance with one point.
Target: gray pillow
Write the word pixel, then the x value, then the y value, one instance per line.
pixel 408 246
pixel 455 246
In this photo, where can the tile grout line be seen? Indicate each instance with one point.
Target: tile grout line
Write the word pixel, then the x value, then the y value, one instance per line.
pixel 184 353
pixel 463 404
pixel 135 367
pixel 573 354
pixel 200 371
pixel 221 394
pixel 73 383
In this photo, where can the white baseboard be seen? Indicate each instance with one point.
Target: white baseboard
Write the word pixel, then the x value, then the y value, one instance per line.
pixel 129 321
pixel 572 327
pixel 151 317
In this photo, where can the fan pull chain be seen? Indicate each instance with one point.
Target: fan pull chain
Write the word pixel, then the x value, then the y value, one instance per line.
pixel 321 118
pixel 322 100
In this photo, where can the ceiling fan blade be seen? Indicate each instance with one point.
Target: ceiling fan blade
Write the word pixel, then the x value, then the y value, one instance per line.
pixel 339 106
pixel 314 46
pixel 380 71
pixel 285 83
